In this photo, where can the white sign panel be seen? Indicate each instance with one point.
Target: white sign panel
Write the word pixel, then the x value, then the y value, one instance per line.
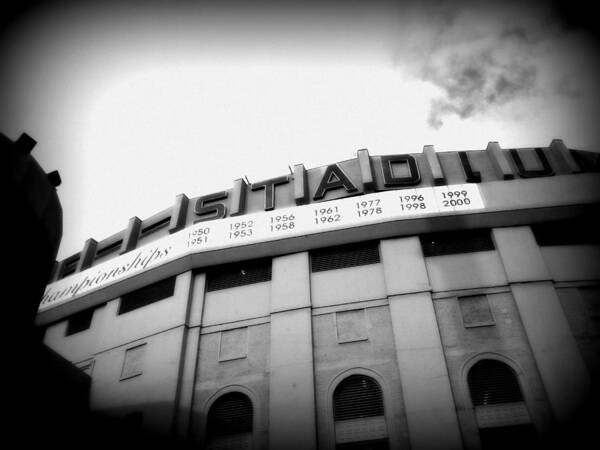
pixel 265 226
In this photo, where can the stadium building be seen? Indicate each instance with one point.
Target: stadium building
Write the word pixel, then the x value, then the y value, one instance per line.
pixel 422 301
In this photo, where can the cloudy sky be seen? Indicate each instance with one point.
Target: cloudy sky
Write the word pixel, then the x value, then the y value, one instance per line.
pixel 136 102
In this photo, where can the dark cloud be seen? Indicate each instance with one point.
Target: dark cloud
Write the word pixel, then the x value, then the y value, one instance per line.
pixel 487 55
pixel 476 82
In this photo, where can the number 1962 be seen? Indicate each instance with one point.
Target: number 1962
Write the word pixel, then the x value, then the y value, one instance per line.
pixel 327 215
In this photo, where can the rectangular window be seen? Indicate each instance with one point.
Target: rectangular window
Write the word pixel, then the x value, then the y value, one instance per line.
pixel 133 420
pixel 566 232
pixel 69 266
pixel 452 242
pixel 497 438
pixel 79 321
pixel 351 326
pixel 591 299
pixel 343 256
pixel 109 248
pixel 475 311
pixel 234 344
pixel 86 366
pixel 155 226
pixel 147 295
pixel 133 363
pixel 239 274
pixel 375 444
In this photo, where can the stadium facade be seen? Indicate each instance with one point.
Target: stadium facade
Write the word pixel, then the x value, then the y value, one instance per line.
pixel 431 300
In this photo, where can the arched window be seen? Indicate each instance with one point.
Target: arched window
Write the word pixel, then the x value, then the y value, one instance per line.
pixel 229 422
pixel 492 382
pixel 359 415
pixel 500 410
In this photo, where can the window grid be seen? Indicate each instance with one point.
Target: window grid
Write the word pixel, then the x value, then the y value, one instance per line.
pixel 70 266
pixel 566 232
pixel 238 274
pixel 79 322
pixel 492 382
pixel 147 295
pixel 155 226
pixel 452 242
pixel 231 414
pixel 344 256
pixel 358 396
pixel 109 248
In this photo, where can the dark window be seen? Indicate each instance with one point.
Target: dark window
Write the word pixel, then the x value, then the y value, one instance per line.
pixel 134 420
pixel 567 232
pixel 492 382
pixel 70 266
pixel 379 444
pixel 239 274
pixel 357 396
pixel 79 321
pixel 230 414
pixel 155 226
pixel 502 438
pixel 109 248
pixel 146 295
pixel 352 255
pixel 588 161
pixel 451 242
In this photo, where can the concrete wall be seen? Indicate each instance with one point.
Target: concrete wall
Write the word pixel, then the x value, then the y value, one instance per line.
pixel 109 329
pixel 559 361
pixel 554 348
pixel 418 347
pixel 287 343
pixel 582 309
pixel 237 303
pixel 352 284
pixel 465 271
pixel 162 315
pixel 152 392
pixel 572 262
pixel 158 326
pixel 504 340
pixel 374 356
pixel 291 388
pixel 423 373
pixel 249 375
pixel 83 345
pixel 404 266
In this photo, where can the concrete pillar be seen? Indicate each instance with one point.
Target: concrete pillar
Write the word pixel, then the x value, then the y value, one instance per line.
pixel 434 163
pixel 292 423
pixel 366 171
pixel 554 348
pixel 404 266
pixel 87 255
pixel 189 354
pixel 520 254
pixel 499 161
pixel 559 361
pixel 428 400
pixel 564 155
pixel 131 236
pixel 179 213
